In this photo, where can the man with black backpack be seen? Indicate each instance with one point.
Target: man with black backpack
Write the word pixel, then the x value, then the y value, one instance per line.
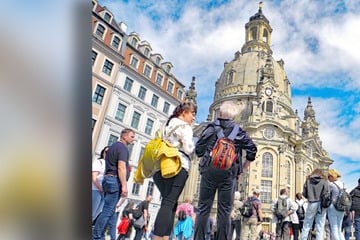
pixel 284 214
pixel 220 146
pixel 252 216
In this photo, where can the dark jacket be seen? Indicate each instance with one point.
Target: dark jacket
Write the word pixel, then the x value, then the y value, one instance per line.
pixel 208 139
pixel 355 195
pixel 314 187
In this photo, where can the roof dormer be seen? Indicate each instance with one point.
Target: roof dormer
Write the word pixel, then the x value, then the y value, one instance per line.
pixel 157 58
pixel 145 48
pixel 167 66
pixel 134 39
pixel 107 16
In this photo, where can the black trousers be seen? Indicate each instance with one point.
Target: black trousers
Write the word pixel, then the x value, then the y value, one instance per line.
pixel 170 189
pixel 223 182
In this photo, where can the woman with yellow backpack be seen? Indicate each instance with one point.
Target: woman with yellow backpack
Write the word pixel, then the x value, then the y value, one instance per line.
pixel 181 137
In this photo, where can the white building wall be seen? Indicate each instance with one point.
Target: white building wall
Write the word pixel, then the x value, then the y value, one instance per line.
pixel 113 126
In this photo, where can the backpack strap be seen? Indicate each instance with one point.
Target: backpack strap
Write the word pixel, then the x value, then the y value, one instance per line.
pixel 162 130
pixel 337 186
pixel 220 132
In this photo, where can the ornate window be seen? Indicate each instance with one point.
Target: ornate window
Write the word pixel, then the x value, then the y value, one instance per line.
pixel 267 165
pixel 269 106
pixel 253 33
pixel 230 77
pixel 269 133
pixel 265 191
pixel 265 36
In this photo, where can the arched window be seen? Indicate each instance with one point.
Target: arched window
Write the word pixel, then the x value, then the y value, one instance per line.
pixel 288 173
pixel 267 165
pixel 265 36
pixel 230 78
pixel 269 106
pixel 253 33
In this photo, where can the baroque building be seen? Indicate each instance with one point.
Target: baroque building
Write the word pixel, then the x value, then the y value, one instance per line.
pixel 288 148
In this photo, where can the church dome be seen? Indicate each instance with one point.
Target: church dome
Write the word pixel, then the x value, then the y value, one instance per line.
pixel 253 77
pixel 246 71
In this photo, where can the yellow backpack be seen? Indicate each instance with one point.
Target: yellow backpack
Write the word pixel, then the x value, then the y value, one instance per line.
pixel 158 155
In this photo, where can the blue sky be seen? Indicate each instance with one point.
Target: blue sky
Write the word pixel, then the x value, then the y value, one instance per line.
pixel 318 41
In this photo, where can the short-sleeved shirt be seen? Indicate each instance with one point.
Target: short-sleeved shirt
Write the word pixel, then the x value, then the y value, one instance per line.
pixel 117 151
pixel 98 165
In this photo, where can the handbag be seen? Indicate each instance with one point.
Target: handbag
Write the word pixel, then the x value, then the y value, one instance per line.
pixel 139 223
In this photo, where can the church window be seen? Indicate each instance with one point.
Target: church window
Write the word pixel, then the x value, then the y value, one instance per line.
pixel 230 78
pixel 269 133
pixel 265 36
pixel 265 191
pixel 267 165
pixel 253 33
pixel 269 107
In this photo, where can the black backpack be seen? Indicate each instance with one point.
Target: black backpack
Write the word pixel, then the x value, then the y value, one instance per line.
pixel 325 199
pixel 247 208
pixel 343 202
pixel 300 212
pixel 281 208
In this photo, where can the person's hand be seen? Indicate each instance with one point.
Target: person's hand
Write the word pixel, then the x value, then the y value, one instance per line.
pixel 124 191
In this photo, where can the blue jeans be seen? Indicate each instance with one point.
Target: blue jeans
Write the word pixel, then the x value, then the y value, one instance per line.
pixel 314 212
pixel 111 186
pixel 97 203
pixel 357 226
pixel 335 221
pixel 222 182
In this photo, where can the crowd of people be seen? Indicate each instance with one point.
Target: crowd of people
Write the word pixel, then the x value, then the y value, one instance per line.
pixel 220 148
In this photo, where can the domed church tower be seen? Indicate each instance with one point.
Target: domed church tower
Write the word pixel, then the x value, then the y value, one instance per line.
pixel 288 148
